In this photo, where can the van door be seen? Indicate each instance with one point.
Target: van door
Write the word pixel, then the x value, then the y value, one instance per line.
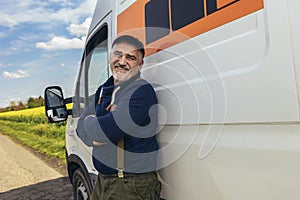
pixel 94 71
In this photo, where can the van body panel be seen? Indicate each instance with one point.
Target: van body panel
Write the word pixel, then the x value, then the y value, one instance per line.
pixel 248 162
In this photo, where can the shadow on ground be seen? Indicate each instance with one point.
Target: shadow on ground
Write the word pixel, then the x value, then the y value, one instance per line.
pixel 56 189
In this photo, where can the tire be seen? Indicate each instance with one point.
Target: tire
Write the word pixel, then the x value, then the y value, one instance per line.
pixel 81 190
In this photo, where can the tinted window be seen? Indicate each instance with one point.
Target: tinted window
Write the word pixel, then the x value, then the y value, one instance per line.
pixel 94 70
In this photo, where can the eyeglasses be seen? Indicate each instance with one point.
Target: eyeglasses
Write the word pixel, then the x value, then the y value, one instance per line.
pixel 119 54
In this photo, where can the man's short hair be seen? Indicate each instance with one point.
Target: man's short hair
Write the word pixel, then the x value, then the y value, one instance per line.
pixel 128 39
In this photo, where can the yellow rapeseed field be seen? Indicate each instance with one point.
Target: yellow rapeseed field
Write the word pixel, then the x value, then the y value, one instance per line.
pixel 33 115
pixel 26 112
pixel 32 111
pixel 31 128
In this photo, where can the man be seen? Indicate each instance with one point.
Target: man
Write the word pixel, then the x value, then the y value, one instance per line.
pixel 121 126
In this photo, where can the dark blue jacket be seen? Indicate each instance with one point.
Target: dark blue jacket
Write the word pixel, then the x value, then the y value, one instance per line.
pixel 135 119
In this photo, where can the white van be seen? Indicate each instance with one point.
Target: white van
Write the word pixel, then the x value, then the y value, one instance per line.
pixel 227 77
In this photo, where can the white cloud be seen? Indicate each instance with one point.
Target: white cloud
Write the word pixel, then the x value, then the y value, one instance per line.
pixel 15 75
pixel 80 29
pixel 39 11
pixel 61 43
pixel 62 2
pixel 13 13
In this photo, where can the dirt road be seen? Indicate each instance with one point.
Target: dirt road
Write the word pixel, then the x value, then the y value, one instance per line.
pixel 24 176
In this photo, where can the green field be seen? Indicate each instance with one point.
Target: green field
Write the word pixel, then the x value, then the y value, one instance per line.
pixel 30 128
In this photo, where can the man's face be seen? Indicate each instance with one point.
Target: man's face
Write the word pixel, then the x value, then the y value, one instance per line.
pixel 125 62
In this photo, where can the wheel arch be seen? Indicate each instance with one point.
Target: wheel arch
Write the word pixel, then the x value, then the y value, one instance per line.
pixel 73 163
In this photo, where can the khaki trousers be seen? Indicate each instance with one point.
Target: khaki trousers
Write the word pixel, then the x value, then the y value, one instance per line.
pixel 131 187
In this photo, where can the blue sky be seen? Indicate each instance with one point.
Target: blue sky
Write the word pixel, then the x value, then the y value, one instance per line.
pixel 41 45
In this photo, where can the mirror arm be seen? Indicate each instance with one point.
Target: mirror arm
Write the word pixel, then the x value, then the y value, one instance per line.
pixel 69 112
pixel 68 100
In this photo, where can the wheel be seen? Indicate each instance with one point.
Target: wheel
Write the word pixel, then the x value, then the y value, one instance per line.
pixel 81 190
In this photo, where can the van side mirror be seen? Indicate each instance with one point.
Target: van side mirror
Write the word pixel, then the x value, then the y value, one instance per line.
pixel 55 104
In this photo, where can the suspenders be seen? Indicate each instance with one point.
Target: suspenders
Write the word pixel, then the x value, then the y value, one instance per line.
pixel 120 158
pixel 120 148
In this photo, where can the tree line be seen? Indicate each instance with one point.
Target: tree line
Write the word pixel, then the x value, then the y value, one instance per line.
pixel 32 102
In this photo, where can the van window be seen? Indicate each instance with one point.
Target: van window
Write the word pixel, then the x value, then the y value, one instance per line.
pixel 98 70
pixel 93 71
pixel 79 98
pixel 97 62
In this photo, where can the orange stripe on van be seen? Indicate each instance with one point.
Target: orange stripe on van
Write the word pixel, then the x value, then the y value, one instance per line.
pixel 132 21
